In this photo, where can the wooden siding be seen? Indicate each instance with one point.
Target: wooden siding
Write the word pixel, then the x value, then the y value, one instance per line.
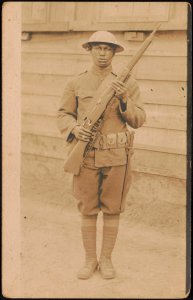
pixel 151 68
pixel 67 16
pixel 50 59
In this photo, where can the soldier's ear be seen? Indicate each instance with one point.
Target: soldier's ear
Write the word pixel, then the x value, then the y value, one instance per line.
pixel 89 48
pixel 114 50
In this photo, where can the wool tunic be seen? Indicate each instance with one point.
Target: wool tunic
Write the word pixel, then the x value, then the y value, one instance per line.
pixel 105 177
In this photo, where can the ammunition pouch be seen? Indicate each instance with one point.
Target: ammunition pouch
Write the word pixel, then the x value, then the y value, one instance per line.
pixel 113 149
pixel 113 141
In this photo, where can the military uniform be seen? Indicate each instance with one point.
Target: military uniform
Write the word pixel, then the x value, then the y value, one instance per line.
pixel 105 177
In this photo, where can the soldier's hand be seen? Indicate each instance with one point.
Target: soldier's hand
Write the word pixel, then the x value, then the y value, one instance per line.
pixel 120 88
pixel 82 133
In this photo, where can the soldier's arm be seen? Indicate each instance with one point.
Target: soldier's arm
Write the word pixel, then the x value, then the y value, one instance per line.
pixel 67 112
pixel 131 107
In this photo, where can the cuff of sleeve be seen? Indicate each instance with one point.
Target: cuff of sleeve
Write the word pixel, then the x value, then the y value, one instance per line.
pixel 69 134
pixel 123 107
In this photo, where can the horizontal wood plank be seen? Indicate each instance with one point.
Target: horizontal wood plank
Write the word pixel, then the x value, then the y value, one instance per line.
pixel 173 139
pixel 41 84
pixel 163 92
pixel 152 91
pixel 156 68
pixel 158 116
pixel 49 27
pixel 165 44
pixel 109 26
pixel 127 26
pixel 40 125
pixel 168 117
pixel 40 105
pixel 157 137
pixel 159 163
pixel 151 68
pixel 152 162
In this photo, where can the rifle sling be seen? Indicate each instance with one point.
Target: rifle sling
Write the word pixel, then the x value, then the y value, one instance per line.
pixel 100 89
pixel 105 83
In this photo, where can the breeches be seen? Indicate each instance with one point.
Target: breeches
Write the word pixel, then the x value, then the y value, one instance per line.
pixel 103 189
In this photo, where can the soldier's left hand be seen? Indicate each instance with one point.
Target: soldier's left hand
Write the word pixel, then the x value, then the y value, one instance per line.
pixel 120 88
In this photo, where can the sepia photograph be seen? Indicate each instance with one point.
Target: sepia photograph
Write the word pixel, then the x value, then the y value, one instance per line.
pixel 96 150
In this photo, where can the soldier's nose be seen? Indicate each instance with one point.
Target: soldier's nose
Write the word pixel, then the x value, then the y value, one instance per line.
pixel 102 52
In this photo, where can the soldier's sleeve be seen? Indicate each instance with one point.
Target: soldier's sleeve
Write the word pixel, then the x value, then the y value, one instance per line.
pixel 67 112
pixel 133 111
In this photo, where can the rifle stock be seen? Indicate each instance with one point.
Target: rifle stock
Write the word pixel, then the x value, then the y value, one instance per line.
pixel 74 161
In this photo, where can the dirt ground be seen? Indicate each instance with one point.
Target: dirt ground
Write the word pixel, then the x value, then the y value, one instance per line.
pixel 149 255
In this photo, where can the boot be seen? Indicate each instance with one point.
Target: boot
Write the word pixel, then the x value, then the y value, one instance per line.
pixel 88 269
pixel 88 229
pixel 110 231
pixel 106 268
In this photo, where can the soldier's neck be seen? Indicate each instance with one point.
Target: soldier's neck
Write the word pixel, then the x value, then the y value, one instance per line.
pixel 101 71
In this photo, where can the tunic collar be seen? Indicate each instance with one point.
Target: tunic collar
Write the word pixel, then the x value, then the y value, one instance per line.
pixel 101 72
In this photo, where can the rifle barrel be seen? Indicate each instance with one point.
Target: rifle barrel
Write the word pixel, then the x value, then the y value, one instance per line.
pixel 142 49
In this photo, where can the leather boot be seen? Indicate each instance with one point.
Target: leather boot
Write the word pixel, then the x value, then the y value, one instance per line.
pixel 106 268
pixel 88 269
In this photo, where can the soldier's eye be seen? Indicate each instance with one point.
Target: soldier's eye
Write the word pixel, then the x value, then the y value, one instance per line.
pixel 96 48
pixel 108 49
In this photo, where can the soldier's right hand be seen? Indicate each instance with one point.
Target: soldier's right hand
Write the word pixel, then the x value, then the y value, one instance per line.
pixel 82 133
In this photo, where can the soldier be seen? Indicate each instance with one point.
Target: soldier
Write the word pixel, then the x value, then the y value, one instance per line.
pixel 105 176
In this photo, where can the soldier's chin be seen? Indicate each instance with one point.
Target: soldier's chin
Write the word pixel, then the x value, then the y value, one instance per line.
pixel 102 63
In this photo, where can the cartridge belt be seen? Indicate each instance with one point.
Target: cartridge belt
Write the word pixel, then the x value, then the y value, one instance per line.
pixel 113 140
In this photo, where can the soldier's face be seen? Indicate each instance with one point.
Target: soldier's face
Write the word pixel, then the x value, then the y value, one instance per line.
pixel 102 55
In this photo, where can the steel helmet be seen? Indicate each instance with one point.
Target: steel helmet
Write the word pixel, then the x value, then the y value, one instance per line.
pixel 103 37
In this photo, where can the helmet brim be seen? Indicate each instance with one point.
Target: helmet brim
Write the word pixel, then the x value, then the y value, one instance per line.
pixel 118 48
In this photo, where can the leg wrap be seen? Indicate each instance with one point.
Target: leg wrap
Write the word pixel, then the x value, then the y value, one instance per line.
pixel 110 231
pixel 88 229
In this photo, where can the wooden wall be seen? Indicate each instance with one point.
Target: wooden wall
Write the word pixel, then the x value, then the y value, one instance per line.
pixel 53 54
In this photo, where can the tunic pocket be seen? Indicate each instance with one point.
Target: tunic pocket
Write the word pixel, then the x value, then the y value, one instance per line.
pixel 85 94
pixel 89 161
pixel 110 157
pixel 85 102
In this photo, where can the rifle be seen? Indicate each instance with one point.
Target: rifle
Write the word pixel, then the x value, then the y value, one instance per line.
pixel 74 161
